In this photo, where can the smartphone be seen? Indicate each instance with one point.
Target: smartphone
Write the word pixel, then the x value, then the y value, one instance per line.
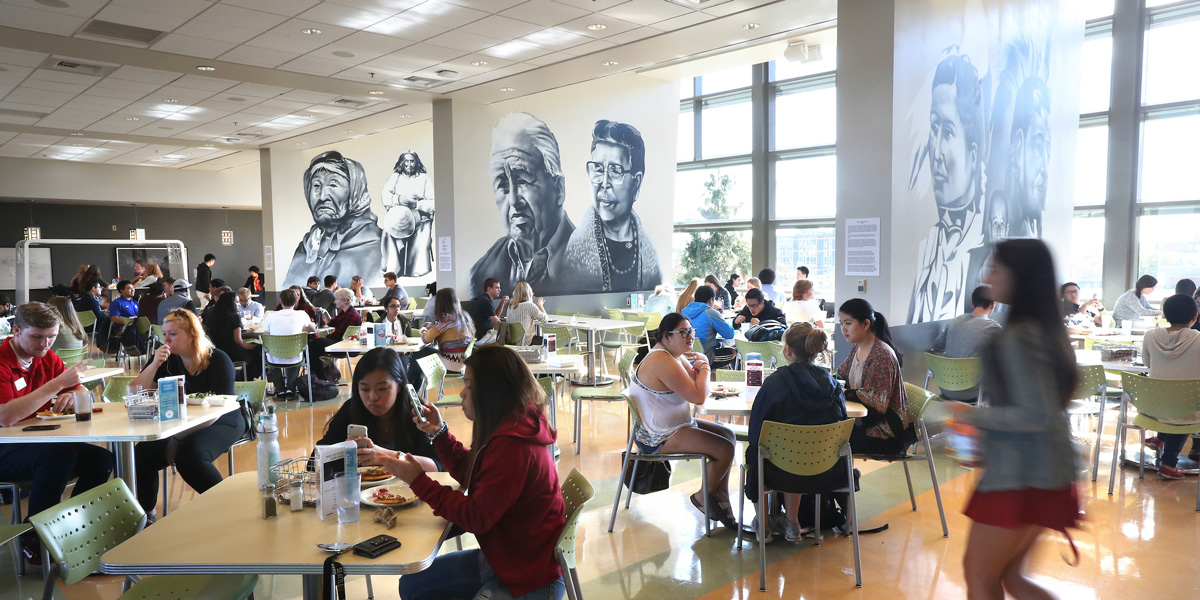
pixel 41 428
pixel 412 393
pixel 356 431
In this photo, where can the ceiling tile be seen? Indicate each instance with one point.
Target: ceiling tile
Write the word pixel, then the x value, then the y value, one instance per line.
pixel 515 51
pixel 290 8
pixel 364 45
pixel 407 28
pixel 549 59
pixel 139 87
pixel 544 12
pixel 428 53
pixel 179 8
pixel 461 40
pixel 371 73
pixel 592 46
pixel 611 26
pixel 633 35
pixel 39 20
pixel 554 39
pixel 343 16
pixel 497 26
pixel 140 17
pixel 288 105
pixel 303 96
pixel 246 18
pixel 218 32
pixel 389 7
pixel 492 6
pixel 313 65
pixel 204 83
pixel 92 98
pixel 645 12
pixel 48 75
pixel 592 5
pixel 144 75
pixel 24 58
pixel 729 8
pixel 288 37
pixel 681 21
pixel 192 46
pixel 256 90
pixel 77 8
pixel 54 86
pixel 443 14
pixel 36 97
pixel 259 57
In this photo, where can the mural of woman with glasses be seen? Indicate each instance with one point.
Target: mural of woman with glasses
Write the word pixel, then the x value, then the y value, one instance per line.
pixel 610 251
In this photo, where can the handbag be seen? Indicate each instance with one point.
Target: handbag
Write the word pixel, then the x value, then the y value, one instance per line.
pixel 651 477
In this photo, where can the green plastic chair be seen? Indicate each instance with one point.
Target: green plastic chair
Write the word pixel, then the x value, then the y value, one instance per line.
pixel 577 491
pixel 1162 398
pixel 70 357
pixel 803 450
pixel 285 347
pixel 419 303
pixel 623 338
pixel 631 459
pixel 953 375
pixel 614 314
pixel 562 335
pixel 768 350
pixel 10 533
pixel 653 320
pixel 156 337
pixel 697 347
pixel 729 375
pixel 598 394
pixel 435 374
pixel 87 319
pixel 251 395
pixel 76 533
pixel 514 333
pixel 116 387
pixel 1093 383
pixel 564 313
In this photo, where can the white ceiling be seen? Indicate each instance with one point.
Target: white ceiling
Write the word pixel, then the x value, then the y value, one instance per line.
pixel 275 84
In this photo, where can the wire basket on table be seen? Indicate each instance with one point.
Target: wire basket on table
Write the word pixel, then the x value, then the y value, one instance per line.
pixel 301 470
pixel 142 405
pixel 1116 352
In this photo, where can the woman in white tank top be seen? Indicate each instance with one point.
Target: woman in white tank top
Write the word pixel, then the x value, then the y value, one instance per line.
pixel 667 382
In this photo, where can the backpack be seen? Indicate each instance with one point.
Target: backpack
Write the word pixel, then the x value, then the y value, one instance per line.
pixel 321 389
pixel 766 331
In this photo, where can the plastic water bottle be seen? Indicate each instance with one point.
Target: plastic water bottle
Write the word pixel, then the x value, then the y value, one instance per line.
pixel 268 448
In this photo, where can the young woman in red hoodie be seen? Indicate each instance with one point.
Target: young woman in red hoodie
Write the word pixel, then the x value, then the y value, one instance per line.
pixel 514 506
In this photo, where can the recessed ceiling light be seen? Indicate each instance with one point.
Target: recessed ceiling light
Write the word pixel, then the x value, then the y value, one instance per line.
pixel 301 143
pixel 750 26
pixel 259 131
pixel 235 99
pixel 76 144
pixel 208 147
pixel 170 100
pixel 166 128
pixel 376 92
pixel 479 63
pixel 307 116
pixel 347 131
pixel 132 119
pixel 310 31
pixel 344 54
pixel 508 89
pixel 597 26
pixel 76 134
pixel 55 3
pixel 205 68
pixel 610 63
pixel 405 116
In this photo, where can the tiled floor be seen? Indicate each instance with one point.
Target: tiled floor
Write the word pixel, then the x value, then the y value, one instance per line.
pixel 1138 543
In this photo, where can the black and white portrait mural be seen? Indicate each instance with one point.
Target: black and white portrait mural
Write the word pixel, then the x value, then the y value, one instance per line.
pixel 609 252
pixel 407 246
pixel 345 237
pixel 972 147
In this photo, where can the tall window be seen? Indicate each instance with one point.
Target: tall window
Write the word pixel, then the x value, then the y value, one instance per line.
pixel 1091 155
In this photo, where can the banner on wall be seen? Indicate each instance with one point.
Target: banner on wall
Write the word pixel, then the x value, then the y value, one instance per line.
pixel 985 117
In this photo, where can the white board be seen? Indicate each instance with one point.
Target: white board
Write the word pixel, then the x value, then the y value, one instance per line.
pixel 40 275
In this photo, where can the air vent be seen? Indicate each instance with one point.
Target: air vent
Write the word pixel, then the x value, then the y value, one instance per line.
pixel 424 82
pixel 24 114
pixel 245 137
pixel 699 3
pixel 126 33
pixel 70 65
pixel 348 103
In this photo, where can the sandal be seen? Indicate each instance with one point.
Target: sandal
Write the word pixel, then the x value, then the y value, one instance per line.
pixel 718 513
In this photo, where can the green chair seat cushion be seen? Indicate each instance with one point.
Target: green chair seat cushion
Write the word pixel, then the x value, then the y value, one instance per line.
pixel 1153 425
pixel 181 587
pixel 741 433
pixel 449 400
pixel 597 393
pixel 9 532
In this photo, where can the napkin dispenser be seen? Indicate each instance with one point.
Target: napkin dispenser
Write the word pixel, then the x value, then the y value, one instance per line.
pixel 331 460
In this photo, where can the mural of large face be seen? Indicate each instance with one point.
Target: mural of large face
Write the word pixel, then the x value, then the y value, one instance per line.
pixel 1031 162
pixel 529 197
pixel 328 197
pixel 952 159
pixel 614 184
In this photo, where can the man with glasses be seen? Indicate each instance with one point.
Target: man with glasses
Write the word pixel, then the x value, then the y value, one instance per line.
pixel 757 310
pixel 611 252
pixel 1076 312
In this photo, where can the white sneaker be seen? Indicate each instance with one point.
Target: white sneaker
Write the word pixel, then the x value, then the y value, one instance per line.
pixel 768 533
pixel 791 533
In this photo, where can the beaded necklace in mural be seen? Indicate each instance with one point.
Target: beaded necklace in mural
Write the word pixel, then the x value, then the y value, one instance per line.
pixel 606 260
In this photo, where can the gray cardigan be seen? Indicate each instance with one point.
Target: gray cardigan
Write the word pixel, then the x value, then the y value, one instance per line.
pixel 1026 434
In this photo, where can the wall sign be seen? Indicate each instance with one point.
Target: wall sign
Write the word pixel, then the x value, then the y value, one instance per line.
pixel 862 247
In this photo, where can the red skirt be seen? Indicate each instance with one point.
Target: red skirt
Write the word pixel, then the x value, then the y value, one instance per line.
pixel 1012 509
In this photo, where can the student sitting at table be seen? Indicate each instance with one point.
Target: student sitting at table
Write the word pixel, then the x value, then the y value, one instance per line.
pixel 800 393
pixel 660 301
pixel 688 296
pixel 89 301
pixel 302 304
pixel 177 298
pixel 757 310
pixel 224 328
pixel 720 294
pixel 246 306
pixel 379 400
pixel 708 322
pixel 33 379
pixel 804 305
pixel 396 323
pixel 362 293
pixel 347 317
pixel 511 500
pixel 666 383
pixel 214 294
pixel 148 305
pixel 447 336
pixel 1133 305
pixel 1173 353
pixel 1078 314
pixel 966 335
pixel 153 273
pixel 394 290
pixel 187 351
pixel 766 278
pixel 872 375
pixel 124 311
pixel 71 335
pixel 286 320
pixel 526 310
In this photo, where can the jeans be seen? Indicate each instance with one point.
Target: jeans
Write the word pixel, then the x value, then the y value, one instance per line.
pixel 467 574
pixel 51 466
pixel 1173 445
pixel 193 458
pixel 284 378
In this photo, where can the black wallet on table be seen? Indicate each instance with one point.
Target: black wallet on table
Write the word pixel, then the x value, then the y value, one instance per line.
pixel 376 546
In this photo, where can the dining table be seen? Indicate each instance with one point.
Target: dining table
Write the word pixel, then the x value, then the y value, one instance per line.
pixel 739 406
pixel 590 326
pixel 185 543
pixel 558 365
pixel 1093 357
pixel 354 347
pixel 112 424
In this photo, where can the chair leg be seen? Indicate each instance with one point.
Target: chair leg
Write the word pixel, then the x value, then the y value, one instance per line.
pixel 617 497
pixel 1099 432
pixel 579 425
pixel 567 583
pixel 912 498
pixel 817 516
pixel 1142 454
pixel 742 503
pixel 764 512
pixel 632 477
pixel 1117 447
pixel 370 589
pixel 704 492
pixel 853 524
pixel 576 584
pixel 165 493
pixel 230 455
pixel 937 492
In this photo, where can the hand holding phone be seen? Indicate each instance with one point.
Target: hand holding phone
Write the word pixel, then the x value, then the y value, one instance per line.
pixel 356 431
pixel 417 413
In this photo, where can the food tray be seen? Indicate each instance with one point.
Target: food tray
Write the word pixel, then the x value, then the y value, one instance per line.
pixel 304 470
pixel 143 405
pixel 531 354
pixel 1116 352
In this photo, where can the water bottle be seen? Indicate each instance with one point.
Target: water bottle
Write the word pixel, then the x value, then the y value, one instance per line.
pixel 268 448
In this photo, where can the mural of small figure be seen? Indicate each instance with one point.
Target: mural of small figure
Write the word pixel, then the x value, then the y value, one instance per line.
pixel 408 225
pixel 344 240
pixel 1023 201
pixel 950 258
pixel 610 251
pixel 529 189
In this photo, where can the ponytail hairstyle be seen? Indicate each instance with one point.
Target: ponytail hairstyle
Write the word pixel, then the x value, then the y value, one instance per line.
pixel 1143 282
pixel 805 341
pixel 860 310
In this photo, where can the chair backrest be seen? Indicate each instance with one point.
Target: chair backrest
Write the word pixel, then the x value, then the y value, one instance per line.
pixel 79 531
pixel 625 366
pixel 434 371
pixel 253 393
pixel 547 384
pixel 633 411
pixel 419 302
pixel 87 318
pixel 577 491
pixel 285 346
pixel 614 314
pixel 766 349
pixel 143 326
pixel 697 347
pixel 803 449
pixel 953 374
pixel 470 348
pixel 1162 398
pixel 157 332
pixel 730 375
pixel 918 400
pixel 1091 377
pixel 635 330
pixel 652 320
pixel 515 334
pixel 352 330
pixel 564 313
pixel 116 387
pixel 562 335
pixel 70 357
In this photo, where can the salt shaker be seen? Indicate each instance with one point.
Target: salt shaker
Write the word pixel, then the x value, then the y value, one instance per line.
pixel 296 496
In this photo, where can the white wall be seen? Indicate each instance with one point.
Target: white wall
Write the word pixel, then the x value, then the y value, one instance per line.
pixel 30 178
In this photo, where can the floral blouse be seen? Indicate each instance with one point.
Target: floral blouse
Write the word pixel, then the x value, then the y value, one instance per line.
pixel 882 386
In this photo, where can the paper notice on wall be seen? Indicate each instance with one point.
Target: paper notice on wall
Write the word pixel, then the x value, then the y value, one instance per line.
pixel 268 258
pixel 444 254
pixel 862 247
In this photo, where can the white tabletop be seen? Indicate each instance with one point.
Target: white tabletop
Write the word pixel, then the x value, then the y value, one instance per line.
pixel 588 323
pixel 1092 357
pixel 734 406
pixel 100 373
pixel 114 425
pixel 567 364
pixel 353 347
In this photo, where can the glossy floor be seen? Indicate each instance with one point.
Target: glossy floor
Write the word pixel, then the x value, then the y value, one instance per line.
pixel 1139 542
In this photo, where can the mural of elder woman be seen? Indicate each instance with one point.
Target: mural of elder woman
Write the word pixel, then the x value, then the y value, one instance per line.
pixel 610 251
pixel 344 239
pixel 408 225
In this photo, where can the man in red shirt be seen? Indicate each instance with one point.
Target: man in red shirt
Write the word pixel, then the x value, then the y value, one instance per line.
pixel 32 378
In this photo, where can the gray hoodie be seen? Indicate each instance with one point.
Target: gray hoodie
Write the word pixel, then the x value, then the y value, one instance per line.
pixel 1173 355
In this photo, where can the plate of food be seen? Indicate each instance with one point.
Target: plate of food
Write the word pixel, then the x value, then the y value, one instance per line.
pixel 373 476
pixel 388 496
pixel 723 390
pixel 49 415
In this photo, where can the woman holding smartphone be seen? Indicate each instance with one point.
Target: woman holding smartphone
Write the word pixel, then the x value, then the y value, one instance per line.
pixel 381 410
pixel 448 336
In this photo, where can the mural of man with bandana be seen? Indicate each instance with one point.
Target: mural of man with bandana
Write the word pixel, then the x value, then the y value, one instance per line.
pixel 344 240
